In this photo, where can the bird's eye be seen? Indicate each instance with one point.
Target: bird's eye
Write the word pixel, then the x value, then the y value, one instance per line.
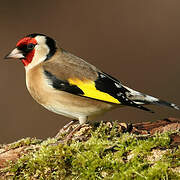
pixel 30 46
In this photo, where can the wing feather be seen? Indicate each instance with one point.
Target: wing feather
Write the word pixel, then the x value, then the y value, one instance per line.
pixel 69 73
pixel 90 90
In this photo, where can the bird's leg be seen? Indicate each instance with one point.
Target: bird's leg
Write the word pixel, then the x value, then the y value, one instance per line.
pixel 62 130
pixel 82 121
pixel 69 124
pixel 70 135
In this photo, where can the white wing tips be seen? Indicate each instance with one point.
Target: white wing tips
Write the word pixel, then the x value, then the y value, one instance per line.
pixel 140 98
pixel 167 104
pixel 153 100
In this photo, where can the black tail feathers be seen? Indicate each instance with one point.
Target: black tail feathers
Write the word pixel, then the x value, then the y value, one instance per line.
pixel 167 104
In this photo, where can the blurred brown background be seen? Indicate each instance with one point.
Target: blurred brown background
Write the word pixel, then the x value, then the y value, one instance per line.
pixel 138 42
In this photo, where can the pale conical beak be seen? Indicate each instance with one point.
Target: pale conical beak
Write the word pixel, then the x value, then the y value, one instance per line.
pixel 15 54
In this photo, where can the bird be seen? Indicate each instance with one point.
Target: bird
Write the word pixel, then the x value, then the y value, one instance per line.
pixel 68 85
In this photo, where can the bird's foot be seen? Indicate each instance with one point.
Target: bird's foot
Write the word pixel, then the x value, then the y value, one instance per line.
pixel 65 129
pixel 77 131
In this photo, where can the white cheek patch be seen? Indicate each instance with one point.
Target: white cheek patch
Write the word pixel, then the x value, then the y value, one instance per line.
pixel 40 39
pixel 41 52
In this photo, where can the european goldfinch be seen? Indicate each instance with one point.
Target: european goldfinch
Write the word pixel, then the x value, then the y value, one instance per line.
pixel 68 85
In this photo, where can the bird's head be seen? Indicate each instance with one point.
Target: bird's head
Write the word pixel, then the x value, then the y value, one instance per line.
pixel 33 49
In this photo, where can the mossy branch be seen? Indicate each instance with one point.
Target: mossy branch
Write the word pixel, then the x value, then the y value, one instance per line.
pixel 100 151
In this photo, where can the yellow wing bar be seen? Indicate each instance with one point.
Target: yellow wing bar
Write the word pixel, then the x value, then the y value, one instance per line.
pixel 89 89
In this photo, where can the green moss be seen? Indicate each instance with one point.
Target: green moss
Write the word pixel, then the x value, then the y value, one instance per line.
pixel 107 154
pixel 24 142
